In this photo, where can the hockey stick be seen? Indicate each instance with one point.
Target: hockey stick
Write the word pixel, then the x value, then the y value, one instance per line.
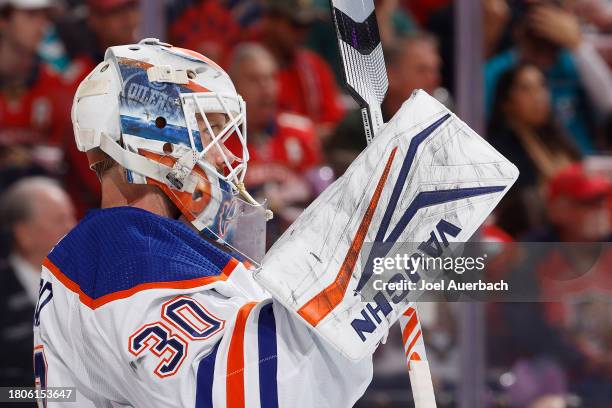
pixel 365 76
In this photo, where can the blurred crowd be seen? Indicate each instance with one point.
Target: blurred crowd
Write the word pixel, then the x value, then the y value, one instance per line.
pixel 547 85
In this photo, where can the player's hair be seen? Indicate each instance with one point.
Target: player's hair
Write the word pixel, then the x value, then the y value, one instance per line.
pixel 100 162
pixel 101 167
pixel 16 205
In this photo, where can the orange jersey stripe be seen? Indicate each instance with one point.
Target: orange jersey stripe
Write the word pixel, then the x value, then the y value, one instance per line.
pixel 122 294
pixel 234 386
pixel 230 267
pixel 323 303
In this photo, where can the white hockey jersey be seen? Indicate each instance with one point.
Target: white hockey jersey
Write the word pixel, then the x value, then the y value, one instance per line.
pixel 136 310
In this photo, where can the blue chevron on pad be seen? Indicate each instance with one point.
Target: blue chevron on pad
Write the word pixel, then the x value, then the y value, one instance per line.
pixel 422 200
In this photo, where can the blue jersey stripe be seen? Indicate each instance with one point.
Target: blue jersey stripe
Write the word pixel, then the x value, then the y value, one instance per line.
pixel 268 361
pixel 205 380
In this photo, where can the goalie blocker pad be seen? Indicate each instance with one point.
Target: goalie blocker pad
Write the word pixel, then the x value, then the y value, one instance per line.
pixel 425 166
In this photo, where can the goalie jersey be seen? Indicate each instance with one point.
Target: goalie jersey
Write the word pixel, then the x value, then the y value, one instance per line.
pixel 136 310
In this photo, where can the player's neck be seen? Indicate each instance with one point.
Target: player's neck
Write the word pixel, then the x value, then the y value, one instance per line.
pixel 117 192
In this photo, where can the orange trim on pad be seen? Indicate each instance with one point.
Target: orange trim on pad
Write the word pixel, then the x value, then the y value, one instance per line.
pixel 234 386
pixel 325 301
pixel 122 294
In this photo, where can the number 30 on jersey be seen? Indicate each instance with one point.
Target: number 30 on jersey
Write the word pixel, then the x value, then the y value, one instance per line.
pixel 183 319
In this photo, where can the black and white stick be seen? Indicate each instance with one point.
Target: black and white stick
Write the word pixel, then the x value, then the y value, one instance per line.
pixel 365 75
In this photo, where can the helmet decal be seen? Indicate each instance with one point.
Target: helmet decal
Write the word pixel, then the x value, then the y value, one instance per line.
pixel 143 105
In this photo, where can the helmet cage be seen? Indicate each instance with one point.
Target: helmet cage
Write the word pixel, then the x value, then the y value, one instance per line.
pixel 235 160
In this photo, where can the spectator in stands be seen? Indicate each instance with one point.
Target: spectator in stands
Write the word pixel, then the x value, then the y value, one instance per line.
pixel 596 12
pixel 283 146
pixel 422 10
pixel 522 128
pixel 577 207
pixel 107 23
pixel 412 63
pixel 209 27
pixel 579 276
pixel 548 36
pixel 85 39
pixel 567 338
pixel 34 100
pixel 274 135
pixel 35 213
pixel 307 85
pixel 393 22
pixel 496 35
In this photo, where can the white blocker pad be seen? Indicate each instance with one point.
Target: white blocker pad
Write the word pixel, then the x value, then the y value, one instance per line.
pixel 427 174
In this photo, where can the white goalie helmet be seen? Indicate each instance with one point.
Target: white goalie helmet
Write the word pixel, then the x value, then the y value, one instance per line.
pixel 149 106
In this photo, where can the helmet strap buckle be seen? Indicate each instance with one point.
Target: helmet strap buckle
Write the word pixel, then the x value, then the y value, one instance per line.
pixel 182 169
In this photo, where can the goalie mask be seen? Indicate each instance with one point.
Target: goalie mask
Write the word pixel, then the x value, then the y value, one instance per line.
pixel 172 118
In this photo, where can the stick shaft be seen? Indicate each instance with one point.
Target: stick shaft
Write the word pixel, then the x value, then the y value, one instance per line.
pixel 365 76
pixel 416 358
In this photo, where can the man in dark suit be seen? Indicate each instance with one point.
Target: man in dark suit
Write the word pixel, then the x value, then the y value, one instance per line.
pixel 35 213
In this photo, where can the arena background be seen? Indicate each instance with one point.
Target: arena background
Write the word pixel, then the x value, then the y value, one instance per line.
pixel 531 76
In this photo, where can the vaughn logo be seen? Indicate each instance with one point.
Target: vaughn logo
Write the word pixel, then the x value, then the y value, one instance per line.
pixel 323 303
pixel 372 315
